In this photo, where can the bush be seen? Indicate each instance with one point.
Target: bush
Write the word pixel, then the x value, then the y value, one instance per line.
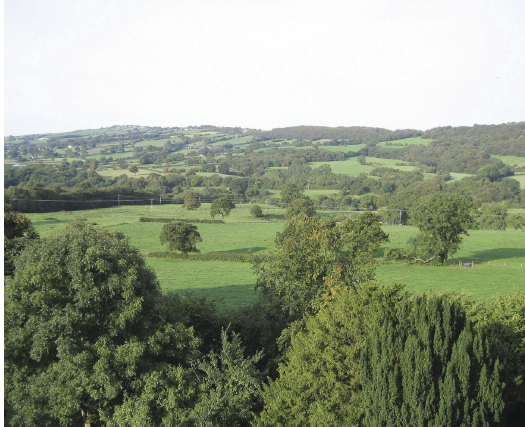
pixel 256 211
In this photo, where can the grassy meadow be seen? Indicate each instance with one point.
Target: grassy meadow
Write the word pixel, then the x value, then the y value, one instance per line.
pixel 498 256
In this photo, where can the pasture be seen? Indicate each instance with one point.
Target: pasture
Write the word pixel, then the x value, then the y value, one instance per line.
pixel 351 167
pixel 498 256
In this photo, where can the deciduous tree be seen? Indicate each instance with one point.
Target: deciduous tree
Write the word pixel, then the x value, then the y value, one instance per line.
pixel 291 192
pixel 180 236
pixel 18 233
pixel 222 207
pixel 300 207
pixel 493 216
pixel 443 219
pixel 191 202
pixel 314 258
pixel 84 322
pixel 256 211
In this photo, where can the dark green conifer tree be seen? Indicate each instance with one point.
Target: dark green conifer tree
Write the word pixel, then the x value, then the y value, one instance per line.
pixel 430 366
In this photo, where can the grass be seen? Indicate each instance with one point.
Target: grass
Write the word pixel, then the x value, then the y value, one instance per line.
pixel 511 160
pixel 497 255
pixel 352 168
pixel 232 284
pixel 153 142
pixel 405 142
pixel 343 148
pixel 234 141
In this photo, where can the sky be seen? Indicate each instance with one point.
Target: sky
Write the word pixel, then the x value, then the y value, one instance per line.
pixel 262 64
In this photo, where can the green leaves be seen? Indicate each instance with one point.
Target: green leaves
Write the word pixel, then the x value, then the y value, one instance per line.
pixel 429 365
pixel 180 236
pixel 18 233
pixel 442 219
pixel 221 207
pixel 314 258
pixel 84 320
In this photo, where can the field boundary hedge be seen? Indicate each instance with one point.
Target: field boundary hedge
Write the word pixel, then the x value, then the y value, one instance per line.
pixel 198 221
pixel 216 256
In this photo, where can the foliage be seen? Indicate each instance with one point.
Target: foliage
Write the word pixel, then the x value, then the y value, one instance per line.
pixel 319 378
pixel 180 236
pixel 300 207
pixel 84 321
pixel 134 169
pixel 222 207
pixel 314 258
pixel 430 366
pixel 256 211
pixel 516 221
pixel 442 220
pixel 191 220
pixel 230 385
pixel 493 216
pixel 18 233
pixel 191 201
pixel 504 320
pixel 291 192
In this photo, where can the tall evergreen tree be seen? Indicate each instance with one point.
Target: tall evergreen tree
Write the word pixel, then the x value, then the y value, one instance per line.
pixel 430 366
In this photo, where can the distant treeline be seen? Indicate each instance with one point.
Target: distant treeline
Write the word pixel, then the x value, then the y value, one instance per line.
pixel 346 135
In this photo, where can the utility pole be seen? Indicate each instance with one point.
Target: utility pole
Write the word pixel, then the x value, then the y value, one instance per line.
pixel 400 217
pixel 151 200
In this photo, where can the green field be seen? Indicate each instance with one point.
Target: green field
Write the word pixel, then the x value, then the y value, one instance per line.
pixel 498 256
pixel 405 142
pixel 343 148
pixel 352 168
pixel 511 160
pixel 153 142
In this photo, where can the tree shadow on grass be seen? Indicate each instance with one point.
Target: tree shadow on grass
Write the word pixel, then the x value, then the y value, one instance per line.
pixel 227 297
pixel 275 217
pixel 242 250
pixel 49 221
pixel 492 255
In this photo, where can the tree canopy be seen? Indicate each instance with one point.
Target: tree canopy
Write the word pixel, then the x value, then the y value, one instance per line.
pixel 314 258
pixel 300 207
pixel 222 207
pixel 18 233
pixel 180 236
pixel 378 356
pixel 443 219
pixel 84 322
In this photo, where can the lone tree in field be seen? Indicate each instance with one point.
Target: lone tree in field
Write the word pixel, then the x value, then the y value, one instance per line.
pixel 180 236
pixel 256 211
pixel 221 207
pixel 85 327
pixel 133 169
pixel 443 219
pixel 191 202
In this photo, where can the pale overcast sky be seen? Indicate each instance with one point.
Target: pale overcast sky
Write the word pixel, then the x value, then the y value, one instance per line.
pixel 80 64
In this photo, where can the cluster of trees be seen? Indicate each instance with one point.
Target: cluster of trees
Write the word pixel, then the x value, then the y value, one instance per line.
pixel 345 135
pixel 252 175
pixel 91 337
